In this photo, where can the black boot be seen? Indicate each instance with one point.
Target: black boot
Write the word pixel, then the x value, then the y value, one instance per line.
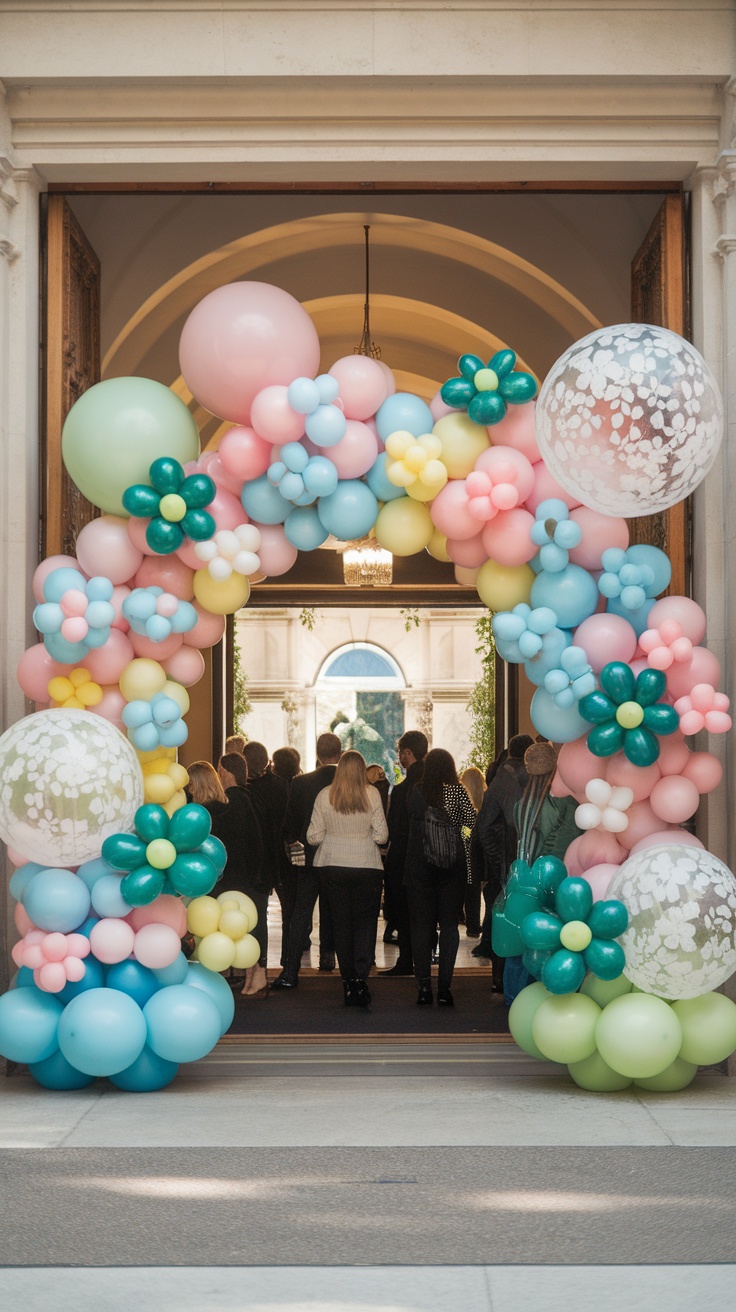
pixel 362 993
pixel 424 997
pixel 277 985
pixel 351 994
pixel 445 998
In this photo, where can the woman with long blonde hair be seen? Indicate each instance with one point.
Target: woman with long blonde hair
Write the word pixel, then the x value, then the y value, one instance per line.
pixel 204 786
pixel 348 827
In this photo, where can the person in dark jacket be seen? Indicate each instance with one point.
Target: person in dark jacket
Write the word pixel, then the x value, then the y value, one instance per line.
pixel 413 748
pixel 496 834
pixel 269 795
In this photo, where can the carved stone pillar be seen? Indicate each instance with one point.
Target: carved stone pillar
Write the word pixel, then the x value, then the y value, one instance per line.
pixel 419 708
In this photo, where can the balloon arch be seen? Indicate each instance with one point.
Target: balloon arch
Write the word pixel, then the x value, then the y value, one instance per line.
pixel 628 939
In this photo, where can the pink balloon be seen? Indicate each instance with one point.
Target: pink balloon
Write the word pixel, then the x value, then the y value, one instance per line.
pixel 207 631
pixel 684 611
pixel 107 663
pixel 137 534
pixel 17 858
pixel 104 547
pixel 21 919
pixel 186 666
pixel 506 465
pixel 597 847
pixel 241 338
pixel 363 387
pixel 558 787
pixel 156 946
pixel 169 573
pixel 51 977
pixel 164 910
pixel 111 707
pixel 517 430
pixel 450 513
pixel 156 651
pixel 683 675
pixel 599 532
pixel 439 409
pixel 119 595
pixel 576 766
pixel 74 969
pixel 703 770
pixel 606 638
pixel 679 836
pixel 356 452
pixel 276 552
pixel 54 947
pixel 674 754
pixel 46 567
pixel 674 799
pixel 642 821
pixel 111 940
pixel 389 376
pixel 620 773
pixel 506 538
pixel 273 418
pixel 216 470
pixel 546 486
pixel 243 453
pixel 469 553
pixel 35 670
pixel 599 877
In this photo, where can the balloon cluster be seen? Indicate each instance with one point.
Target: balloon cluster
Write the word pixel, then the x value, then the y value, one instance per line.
pixel 222 929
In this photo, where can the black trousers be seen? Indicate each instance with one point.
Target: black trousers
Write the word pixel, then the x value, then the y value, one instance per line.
pixel 300 926
pixel 286 893
pixel 399 914
pixel 437 900
pixel 472 908
pixel 354 897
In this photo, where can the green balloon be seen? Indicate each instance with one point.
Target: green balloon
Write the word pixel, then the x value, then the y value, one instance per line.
pixel 617 679
pixel 215 851
pixel 661 719
pixel 638 1035
pixel 534 960
pixel 549 873
pixel 124 851
pixel 607 739
pixel 166 475
pixel 564 1027
pixel 672 1079
pixel 608 919
pixel 114 431
pixel 650 686
pixel 604 991
pixel 192 875
pixel 506 939
pixel 487 408
pixel 142 886
pixel 595 1075
pixel 198 490
pixel 152 822
pixel 597 708
pixel 708 1028
pixel 605 959
pixel 517 388
pixel 503 362
pixel 188 827
pixel 541 930
pixel 521 1014
pixel 198 525
pixel 469 366
pixel 564 972
pixel 521 879
pixel 141 501
pixel 163 536
pixel 457 392
pixel 641 746
pixel 574 899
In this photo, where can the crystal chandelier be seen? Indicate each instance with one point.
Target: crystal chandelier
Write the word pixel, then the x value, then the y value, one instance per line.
pixel 366 565
pixel 366 345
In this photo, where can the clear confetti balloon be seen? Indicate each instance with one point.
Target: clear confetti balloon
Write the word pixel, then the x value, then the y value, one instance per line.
pixel 629 419
pixel 681 939
pixel 68 779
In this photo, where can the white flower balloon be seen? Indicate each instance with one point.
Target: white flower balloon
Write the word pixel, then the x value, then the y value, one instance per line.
pixel 231 551
pixel 605 808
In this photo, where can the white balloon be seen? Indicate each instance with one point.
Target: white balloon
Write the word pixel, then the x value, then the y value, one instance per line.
pixel 598 792
pixel 587 816
pixel 615 822
pixel 220 569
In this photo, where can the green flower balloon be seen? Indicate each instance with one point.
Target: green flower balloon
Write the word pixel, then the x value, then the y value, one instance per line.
pixel 175 854
pixel 560 948
pixel 486 390
pixel 174 504
pixel 528 888
pixel 628 714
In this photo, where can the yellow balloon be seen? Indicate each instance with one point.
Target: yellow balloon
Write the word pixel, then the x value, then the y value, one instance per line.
pixel 60 689
pixel 501 587
pixel 179 775
pixel 242 902
pixel 203 915
pixel 161 754
pixel 437 546
pixel 178 800
pixel 216 951
pixel 404 527
pixel 462 442
pixel 247 952
pixel 142 679
pixel 158 789
pixel 234 924
pixel 220 598
pixel 178 694
pixel 89 693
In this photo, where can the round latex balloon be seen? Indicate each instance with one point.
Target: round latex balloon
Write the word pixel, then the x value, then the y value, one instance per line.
pixel 638 1035
pixel 69 780
pixel 102 1031
pixel 681 938
pixel 629 419
pixel 404 527
pixel 115 431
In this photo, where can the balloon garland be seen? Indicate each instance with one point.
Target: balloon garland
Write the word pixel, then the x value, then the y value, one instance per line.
pixel 529 498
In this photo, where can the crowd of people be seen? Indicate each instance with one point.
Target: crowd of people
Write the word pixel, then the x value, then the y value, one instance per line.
pixel 426 851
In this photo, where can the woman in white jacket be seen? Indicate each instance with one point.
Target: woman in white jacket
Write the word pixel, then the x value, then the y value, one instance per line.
pixel 348 827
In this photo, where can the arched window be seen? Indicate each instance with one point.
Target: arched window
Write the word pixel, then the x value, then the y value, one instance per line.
pixel 363 663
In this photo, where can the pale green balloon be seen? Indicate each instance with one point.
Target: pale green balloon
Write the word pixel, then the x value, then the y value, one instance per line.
pixel 708 1028
pixel 638 1035
pixel 521 1014
pixel 597 1076
pixel 673 1078
pixel 604 991
pixel 115 431
pixel 564 1027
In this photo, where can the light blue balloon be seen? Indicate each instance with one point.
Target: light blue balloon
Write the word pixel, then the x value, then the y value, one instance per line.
pixel 291 486
pixel 263 502
pixel 99 589
pixel 63 580
pixel 176 973
pixel 131 977
pixel 158 628
pixel 91 871
pixel 29 1023
pixel 23 979
pixel 164 710
pixel 638 619
pixel 328 388
pixel 217 988
pixel 295 457
pixel 46 618
pixel 658 562
pixel 102 1031
pixel 378 481
pixel 66 653
pixel 93 978
pixel 404 411
pixel 107 900
pixel 99 614
pixel 326 426
pixel 183 1023
pixel 570 592
pixel 304 529
pixel 146 1074
pixel 57 1073
pixel 553 645
pixel 560 726
pixel 303 395
pixel 320 476
pixel 185 618
pixel 175 736
pixel 57 900
pixel 20 879
pixel 96 638
pixel 350 512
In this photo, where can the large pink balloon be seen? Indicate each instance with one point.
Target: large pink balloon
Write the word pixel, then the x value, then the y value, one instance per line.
pixel 244 454
pixel 35 670
pixel 111 707
pixel 241 338
pixel 356 452
pixel 620 773
pixel 155 651
pixel 120 593
pixel 606 638
pixel 111 940
pixel 207 631
pixel 595 848
pixel 682 676
pixel 439 409
pixel 599 532
pixel 107 663
pixel 642 821
pixel 686 612
pixel 506 465
pixel 156 946
pixel 46 567
pixel 104 547
pixel 217 471
pixel 599 877
pixel 506 538
pixel 674 799
pixel 576 766
pixel 704 770
pixel 450 513
pixel 683 839
pixel 164 910
pixel 546 486
pixel 186 666
pixel 469 553
pixel 137 534
pixel 674 754
pixel 517 430
pixel 169 573
pixel 363 387
pixel 276 553
pixel 273 418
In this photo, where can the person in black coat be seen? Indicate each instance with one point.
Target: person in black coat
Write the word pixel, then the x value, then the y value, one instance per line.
pixel 413 747
pixel 496 833
pixel 302 796
pixel 269 795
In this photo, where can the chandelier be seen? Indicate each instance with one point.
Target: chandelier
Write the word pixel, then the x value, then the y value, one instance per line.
pixel 366 346
pixel 366 565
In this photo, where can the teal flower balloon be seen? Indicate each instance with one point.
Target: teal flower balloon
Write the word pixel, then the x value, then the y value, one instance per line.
pixel 174 504
pixel 528 888
pixel 559 948
pixel 486 390
pixel 627 713
pixel 175 854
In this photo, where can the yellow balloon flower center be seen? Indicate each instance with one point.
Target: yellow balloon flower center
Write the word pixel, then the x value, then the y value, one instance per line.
pixel 160 854
pixel 172 507
pixel 630 715
pixel 486 380
pixel 575 935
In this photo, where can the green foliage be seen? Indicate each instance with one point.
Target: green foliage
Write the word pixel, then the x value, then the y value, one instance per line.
pixel 410 616
pixel 241 700
pixel 384 711
pixel 482 703
pixel 308 617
